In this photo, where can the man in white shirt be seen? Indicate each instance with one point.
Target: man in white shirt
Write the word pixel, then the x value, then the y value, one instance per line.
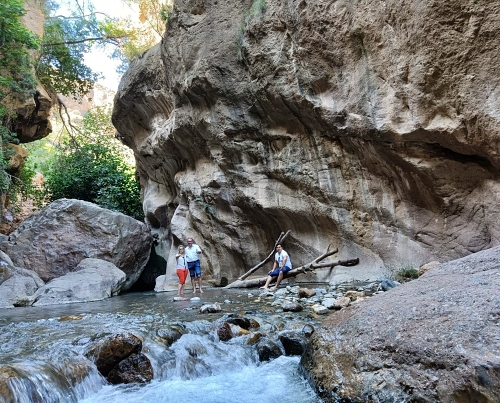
pixel 193 253
pixel 282 264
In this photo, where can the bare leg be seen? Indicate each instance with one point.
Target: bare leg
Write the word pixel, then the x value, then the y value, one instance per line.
pixel 268 281
pixel 199 283
pixel 179 288
pixel 182 289
pixel 193 284
pixel 278 281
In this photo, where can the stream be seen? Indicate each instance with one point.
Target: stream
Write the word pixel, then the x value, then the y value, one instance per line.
pixel 42 351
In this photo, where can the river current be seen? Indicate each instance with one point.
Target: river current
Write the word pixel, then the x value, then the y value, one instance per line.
pixel 42 352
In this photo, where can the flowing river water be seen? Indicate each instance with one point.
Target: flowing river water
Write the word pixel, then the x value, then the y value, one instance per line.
pixel 42 352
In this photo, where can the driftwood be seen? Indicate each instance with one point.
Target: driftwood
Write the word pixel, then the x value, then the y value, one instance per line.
pixel 267 259
pixel 257 282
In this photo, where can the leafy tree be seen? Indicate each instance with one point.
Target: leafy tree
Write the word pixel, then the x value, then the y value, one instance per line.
pixel 68 37
pixel 15 42
pixel 66 40
pixel 93 166
pixel 16 80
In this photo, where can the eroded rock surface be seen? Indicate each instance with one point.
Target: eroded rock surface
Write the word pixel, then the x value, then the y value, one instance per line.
pixel 434 339
pixel 369 126
pixel 53 241
pixel 92 280
pixel 17 285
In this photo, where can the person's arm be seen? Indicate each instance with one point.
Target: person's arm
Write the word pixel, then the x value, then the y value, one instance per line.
pixel 284 262
pixel 274 266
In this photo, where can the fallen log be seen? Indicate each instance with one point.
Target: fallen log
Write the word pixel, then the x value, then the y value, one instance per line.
pixel 267 259
pixel 258 282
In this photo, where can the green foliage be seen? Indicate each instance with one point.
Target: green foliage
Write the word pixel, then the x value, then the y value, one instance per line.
pixel 258 7
pixel 23 187
pixel 16 80
pixel 92 166
pixel 15 42
pixel 66 40
pixel 61 68
pixel 406 273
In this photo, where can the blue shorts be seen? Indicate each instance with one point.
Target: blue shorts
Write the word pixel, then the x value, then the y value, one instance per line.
pixel 277 271
pixel 194 269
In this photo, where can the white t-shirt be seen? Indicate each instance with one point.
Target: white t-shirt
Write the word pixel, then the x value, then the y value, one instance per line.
pixel 279 258
pixel 192 253
pixel 182 262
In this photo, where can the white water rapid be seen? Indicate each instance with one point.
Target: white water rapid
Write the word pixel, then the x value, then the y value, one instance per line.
pixel 42 353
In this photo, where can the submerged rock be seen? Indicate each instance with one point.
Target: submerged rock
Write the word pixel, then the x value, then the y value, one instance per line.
pixel 434 339
pixel 267 349
pixel 290 306
pixel 306 293
pixel 171 334
pixel 135 368
pixel 108 352
pixel 293 341
pixel 224 332
pixel 211 308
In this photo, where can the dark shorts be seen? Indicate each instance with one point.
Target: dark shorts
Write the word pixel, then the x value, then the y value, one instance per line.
pixel 194 269
pixel 277 271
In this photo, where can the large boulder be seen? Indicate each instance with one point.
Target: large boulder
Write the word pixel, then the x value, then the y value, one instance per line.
pixel 53 241
pixel 434 339
pixel 93 280
pixel 17 285
pixel 371 126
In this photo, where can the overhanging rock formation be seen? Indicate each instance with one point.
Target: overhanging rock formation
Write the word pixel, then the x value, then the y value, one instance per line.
pixel 369 126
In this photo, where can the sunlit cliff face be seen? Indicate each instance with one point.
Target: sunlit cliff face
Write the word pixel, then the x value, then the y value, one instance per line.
pixel 369 126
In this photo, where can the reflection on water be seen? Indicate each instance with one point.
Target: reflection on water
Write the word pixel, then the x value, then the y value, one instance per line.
pixel 44 347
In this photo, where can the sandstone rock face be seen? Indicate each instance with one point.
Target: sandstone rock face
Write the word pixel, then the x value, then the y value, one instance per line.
pixel 369 126
pixel 434 339
pixel 54 241
pixel 92 280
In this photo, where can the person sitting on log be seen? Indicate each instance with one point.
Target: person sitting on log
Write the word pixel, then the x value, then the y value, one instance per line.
pixel 282 264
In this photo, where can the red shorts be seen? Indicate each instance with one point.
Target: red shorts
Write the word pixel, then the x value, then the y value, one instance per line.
pixel 182 273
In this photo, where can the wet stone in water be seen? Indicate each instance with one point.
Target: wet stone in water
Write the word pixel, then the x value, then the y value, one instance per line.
pixel 224 332
pixel 171 334
pixel 136 368
pixel 268 349
pixel 293 342
pixel 109 352
pixel 289 306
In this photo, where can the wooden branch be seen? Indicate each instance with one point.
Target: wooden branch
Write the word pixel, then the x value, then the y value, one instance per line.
pixel 325 255
pixel 267 259
pixel 257 282
pixel 112 39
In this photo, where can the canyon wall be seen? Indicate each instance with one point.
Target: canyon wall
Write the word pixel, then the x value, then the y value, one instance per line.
pixel 370 126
